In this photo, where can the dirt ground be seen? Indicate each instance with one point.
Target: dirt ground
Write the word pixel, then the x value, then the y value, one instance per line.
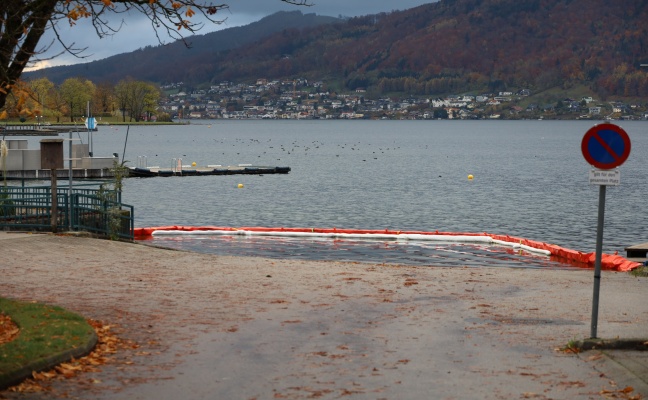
pixel 211 327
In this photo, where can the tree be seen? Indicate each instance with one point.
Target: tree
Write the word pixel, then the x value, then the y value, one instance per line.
pixel 103 100
pixel 121 96
pixel 40 89
pixel 19 102
pixel 23 23
pixel 143 99
pixel 57 107
pixel 137 98
pixel 77 93
pixel 40 93
pixel 151 101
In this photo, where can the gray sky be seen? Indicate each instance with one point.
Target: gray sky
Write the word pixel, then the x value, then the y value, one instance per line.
pixel 137 31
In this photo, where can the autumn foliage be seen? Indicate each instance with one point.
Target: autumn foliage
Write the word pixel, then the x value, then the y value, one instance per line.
pixel 455 46
pixel 24 22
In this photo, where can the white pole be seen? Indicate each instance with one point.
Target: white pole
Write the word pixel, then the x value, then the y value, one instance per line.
pixel 89 130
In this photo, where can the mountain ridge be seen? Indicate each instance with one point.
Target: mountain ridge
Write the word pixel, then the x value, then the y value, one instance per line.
pixel 140 62
pixel 451 46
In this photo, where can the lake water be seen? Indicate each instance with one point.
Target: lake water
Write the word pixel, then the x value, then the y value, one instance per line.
pixel 530 180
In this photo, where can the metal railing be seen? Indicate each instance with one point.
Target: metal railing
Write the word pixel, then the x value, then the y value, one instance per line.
pixel 82 209
pixel 92 213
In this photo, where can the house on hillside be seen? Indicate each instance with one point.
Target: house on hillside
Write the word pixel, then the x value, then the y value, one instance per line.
pixel 465 114
pixel 438 103
pixel 453 112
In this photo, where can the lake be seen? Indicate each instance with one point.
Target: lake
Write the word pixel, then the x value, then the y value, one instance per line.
pixel 530 180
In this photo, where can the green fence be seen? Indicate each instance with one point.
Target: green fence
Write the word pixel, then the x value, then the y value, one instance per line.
pixel 80 209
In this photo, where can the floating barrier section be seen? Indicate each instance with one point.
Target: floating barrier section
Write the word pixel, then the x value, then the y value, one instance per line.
pixel 608 261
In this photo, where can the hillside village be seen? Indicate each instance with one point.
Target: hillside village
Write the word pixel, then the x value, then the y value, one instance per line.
pixel 301 99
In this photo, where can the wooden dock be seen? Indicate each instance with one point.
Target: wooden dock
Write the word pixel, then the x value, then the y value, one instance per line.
pixel 206 171
pixel 637 252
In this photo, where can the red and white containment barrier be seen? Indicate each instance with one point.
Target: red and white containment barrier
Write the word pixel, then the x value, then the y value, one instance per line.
pixel 608 261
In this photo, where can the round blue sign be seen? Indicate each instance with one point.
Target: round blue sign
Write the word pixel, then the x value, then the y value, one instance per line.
pixel 606 146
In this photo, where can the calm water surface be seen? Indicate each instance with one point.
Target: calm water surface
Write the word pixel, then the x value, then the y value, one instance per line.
pixel 530 180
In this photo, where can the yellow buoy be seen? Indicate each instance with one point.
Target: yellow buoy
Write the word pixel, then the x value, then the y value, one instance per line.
pixel 240 186
pixel 193 164
pixel 470 177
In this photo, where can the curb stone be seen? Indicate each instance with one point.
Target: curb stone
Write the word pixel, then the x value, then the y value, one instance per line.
pixel 613 344
pixel 623 357
pixel 11 378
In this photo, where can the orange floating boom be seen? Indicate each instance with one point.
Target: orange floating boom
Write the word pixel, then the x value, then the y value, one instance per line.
pixel 608 261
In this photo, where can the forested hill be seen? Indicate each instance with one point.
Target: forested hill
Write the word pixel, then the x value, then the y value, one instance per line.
pixel 176 62
pixel 451 46
pixel 455 46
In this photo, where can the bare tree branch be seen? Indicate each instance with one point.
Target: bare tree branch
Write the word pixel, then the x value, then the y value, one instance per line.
pixel 23 23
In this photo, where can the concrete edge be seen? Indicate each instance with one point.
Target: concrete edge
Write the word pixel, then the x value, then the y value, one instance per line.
pixel 11 378
pixel 636 344
pixel 614 367
pixel 634 377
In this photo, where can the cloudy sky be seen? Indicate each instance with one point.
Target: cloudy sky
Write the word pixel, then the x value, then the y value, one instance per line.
pixel 137 31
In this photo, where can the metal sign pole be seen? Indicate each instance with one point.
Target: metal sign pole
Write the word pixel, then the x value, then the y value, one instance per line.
pixel 90 127
pixel 604 146
pixel 70 176
pixel 54 216
pixel 597 265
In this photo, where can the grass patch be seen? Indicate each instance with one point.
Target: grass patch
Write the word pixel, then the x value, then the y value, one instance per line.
pixel 573 347
pixel 641 271
pixel 47 334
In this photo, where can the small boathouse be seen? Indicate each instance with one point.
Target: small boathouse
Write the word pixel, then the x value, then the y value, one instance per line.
pixel 25 163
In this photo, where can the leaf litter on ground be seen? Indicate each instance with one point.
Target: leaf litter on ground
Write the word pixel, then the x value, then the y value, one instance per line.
pixel 108 344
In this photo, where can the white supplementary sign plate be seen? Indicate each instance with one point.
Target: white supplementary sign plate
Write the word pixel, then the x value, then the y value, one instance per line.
pixel 610 177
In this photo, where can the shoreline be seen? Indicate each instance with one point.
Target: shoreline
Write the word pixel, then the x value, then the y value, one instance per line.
pixel 258 328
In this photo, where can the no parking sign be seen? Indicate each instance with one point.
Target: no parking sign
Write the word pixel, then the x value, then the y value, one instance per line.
pixel 605 146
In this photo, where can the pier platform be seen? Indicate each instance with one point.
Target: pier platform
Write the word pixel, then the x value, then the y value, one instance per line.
pixel 241 169
pixel 637 253
pixel 41 129
pixel 26 132
pixel 46 174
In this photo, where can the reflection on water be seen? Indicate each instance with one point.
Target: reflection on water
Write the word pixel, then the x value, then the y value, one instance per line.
pixel 420 253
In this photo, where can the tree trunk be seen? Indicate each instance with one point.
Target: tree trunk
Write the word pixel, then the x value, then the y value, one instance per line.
pixel 29 19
